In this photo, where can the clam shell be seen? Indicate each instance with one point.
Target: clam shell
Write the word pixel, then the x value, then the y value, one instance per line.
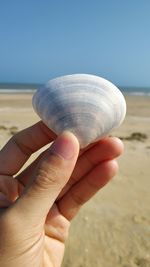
pixel 87 105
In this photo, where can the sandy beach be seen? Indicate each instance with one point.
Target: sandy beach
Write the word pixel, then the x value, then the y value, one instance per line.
pixel 113 229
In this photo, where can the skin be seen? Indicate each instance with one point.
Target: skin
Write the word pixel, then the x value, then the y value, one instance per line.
pixel 37 206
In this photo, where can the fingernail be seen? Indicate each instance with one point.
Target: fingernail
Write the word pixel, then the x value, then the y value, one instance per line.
pixel 64 145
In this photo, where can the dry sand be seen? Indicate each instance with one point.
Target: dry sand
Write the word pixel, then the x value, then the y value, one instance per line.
pixel 113 229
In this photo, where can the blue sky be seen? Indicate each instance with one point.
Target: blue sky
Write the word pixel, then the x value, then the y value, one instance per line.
pixel 42 39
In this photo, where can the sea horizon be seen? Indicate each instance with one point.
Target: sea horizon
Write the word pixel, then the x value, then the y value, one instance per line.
pixel 7 88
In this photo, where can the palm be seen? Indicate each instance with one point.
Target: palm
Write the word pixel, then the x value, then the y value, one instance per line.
pixel 53 245
pixel 48 238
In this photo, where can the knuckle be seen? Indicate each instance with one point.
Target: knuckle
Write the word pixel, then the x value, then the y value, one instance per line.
pixel 77 199
pixel 45 178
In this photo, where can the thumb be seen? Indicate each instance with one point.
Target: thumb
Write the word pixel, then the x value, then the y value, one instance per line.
pixel 51 175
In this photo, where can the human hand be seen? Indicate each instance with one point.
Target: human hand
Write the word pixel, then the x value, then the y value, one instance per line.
pixel 36 207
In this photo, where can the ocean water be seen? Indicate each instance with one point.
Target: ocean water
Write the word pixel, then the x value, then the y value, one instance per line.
pixel 18 88
pixel 139 91
pixel 31 88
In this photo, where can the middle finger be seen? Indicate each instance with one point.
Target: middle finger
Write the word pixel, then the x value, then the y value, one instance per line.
pixel 105 149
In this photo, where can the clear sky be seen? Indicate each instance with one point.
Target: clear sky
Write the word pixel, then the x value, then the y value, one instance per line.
pixel 42 39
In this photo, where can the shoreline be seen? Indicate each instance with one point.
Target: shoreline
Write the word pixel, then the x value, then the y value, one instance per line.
pixel 27 91
pixel 32 91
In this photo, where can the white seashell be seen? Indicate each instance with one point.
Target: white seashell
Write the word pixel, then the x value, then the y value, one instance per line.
pixel 87 105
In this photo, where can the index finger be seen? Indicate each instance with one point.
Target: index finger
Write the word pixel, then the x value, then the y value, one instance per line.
pixel 20 147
